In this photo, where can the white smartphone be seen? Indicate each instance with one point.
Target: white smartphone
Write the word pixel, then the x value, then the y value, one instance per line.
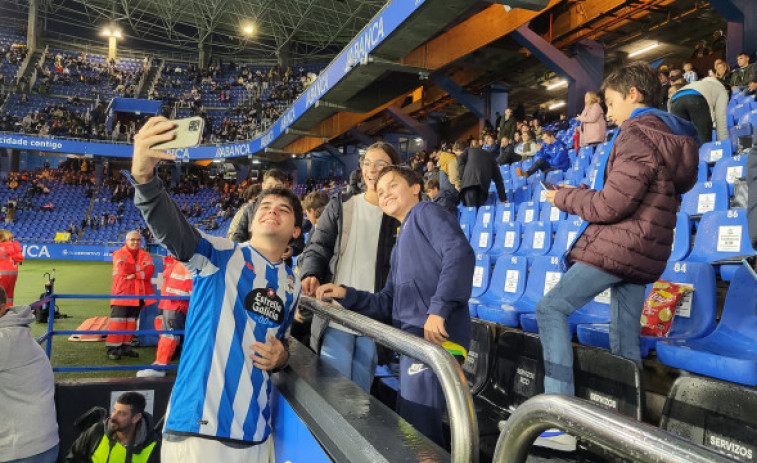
pixel 187 134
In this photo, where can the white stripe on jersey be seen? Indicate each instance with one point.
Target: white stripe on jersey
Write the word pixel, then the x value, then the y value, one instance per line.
pixel 224 336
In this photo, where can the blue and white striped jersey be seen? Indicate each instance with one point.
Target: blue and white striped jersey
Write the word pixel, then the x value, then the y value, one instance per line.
pixel 239 298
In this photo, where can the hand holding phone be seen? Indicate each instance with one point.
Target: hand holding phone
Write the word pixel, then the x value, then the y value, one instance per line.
pixel 549 186
pixel 187 134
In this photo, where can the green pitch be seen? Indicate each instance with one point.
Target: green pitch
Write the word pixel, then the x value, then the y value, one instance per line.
pixel 75 278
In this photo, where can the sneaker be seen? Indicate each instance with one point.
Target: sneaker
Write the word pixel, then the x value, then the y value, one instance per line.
pixel 149 373
pixel 556 440
pixel 114 357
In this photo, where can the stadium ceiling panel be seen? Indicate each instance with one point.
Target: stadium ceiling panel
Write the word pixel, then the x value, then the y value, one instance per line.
pixel 300 29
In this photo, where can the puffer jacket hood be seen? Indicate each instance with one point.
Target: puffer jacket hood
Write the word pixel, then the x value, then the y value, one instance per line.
pixel 679 151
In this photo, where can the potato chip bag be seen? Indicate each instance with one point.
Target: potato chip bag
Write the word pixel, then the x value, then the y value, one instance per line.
pixel 660 307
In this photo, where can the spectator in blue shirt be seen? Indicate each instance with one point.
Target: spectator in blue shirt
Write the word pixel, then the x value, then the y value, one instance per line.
pixel 426 293
pixel 552 155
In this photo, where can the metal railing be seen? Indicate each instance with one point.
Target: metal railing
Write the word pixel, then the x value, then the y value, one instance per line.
pixel 47 338
pixel 462 415
pixel 622 435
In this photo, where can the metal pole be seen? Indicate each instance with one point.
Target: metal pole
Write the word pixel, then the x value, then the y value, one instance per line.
pixel 462 415
pixel 629 438
pixel 50 328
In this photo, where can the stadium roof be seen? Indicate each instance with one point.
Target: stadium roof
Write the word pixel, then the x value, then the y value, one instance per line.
pixel 304 29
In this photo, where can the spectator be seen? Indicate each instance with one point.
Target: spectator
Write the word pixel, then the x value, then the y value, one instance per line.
pixel 507 152
pixel 132 272
pixel 448 199
pixel 477 169
pixel 593 126
pixel 665 82
pixel 629 216
pixel 29 429
pixel 552 155
pixel 260 284
pixel 449 168
pixel 723 73
pixel 126 436
pixel 355 184
pixel 10 211
pixel 353 236
pixel 273 178
pixel 433 257
pixel 719 41
pixel 508 125
pixel 177 281
pixel 689 74
pixel 314 204
pixel 703 102
pixel 563 123
pixel 527 148
pixel 432 171
pixel 248 197
pixel 701 49
pixel 741 77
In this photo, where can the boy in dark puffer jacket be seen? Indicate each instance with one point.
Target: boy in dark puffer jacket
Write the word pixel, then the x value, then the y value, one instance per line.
pixel 629 215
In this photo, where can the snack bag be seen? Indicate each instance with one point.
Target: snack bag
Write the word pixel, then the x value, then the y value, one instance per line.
pixel 660 307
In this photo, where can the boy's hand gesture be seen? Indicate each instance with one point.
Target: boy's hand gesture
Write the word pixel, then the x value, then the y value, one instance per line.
pixel 145 158
pixel 330 291
pixel 434 330
pixel 269 355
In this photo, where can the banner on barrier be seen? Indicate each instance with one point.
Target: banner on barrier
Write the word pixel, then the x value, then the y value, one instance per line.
pixel 68 252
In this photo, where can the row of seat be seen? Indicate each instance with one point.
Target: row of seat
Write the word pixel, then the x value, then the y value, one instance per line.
pixel 507 369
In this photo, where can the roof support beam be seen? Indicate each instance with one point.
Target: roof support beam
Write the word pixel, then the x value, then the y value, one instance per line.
pixel 422 130
pixel 473 103
pixel 584 72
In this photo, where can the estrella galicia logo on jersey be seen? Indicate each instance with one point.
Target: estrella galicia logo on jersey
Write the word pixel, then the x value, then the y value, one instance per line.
pixel 265 306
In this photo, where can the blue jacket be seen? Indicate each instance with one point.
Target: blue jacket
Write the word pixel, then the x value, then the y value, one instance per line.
pixel 431 273
pixel 556 155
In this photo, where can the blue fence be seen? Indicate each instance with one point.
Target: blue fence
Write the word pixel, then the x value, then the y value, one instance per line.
pixel 47 338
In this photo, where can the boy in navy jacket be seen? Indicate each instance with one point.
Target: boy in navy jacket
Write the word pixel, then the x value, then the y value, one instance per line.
pixel 426 293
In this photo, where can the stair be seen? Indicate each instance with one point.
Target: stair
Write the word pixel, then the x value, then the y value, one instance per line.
pixel 153 73
pixel 89 210
pixel 26 77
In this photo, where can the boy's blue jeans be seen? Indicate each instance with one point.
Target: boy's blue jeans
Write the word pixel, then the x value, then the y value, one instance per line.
pixel 580 284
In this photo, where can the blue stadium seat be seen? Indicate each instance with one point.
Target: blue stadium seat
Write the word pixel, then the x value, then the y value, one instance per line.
pixel 481 276
pixel 550 213
pixel 749 118
pixel 507 239
pixel 681 238
pixel 703 174
pixel 508 283
pixel 575 174
pixel 537 239
pixel 545 272
pixel 554 176
pixel 468 217
pixel 729 169
pixel 721 235
pixel 706 197
pixel 522 194
pixel 739 131
pixel 587 151
pixel 715 150
pixel 566 233
pixel 597 311
pixel 694 318
pixel 729 352
pixel 482 235
pixel 505 212
pixel 528 212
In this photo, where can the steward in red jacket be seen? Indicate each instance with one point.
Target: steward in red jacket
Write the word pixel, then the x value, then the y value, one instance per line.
pixel 10 257
pixel 132 271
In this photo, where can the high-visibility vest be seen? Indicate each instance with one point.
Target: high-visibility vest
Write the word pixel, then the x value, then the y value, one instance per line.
pixel 125 264
pixel 177 281
pixel 104 453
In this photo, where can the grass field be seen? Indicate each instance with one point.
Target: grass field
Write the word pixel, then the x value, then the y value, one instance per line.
pixel 75 278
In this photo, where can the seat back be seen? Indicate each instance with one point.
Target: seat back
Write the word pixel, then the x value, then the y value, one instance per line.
pixel 545 273
pixel 738 321
pixel 611 382
pixel 550 213
pixel 567 231
pixel 528 212
pixel 706 197
pixel 537 239
pixel 522 194
pixel 482 236
pixel 715 150
pixel 739 131
pixel 554 176
pixel 713 413
pixel 505 212
pixel 485 217
pixel 478 363
pixel 729 169
pixel 481 275
pixel 507 240
pixel 721 234
pixel 468 217
pixel 508 281
pixel 696 313
pixel 681 238
pixel 703 174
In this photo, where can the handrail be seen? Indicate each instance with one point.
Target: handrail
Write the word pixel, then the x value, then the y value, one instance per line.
pixel 462 415
pixel 625 436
